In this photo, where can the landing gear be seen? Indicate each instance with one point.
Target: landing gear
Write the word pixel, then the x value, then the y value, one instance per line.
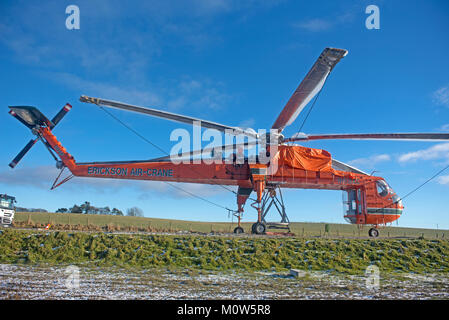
pixel 239 230
pixel 268 196
pixel 373 232
pixel 271 197
pixel 258 228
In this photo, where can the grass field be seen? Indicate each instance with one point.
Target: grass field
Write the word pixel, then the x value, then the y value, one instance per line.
pixel 220 253
pixel 300 229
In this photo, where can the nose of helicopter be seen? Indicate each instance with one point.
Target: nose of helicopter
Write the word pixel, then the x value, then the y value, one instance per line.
pixel 389 206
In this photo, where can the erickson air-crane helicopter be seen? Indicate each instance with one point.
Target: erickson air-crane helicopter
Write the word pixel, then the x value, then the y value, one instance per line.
pixel 369 200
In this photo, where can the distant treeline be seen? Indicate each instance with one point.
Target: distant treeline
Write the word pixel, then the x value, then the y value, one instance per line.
pixel 20 209
pixel 87 208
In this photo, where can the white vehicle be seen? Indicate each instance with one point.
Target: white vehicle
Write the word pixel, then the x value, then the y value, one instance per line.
pixel 6 210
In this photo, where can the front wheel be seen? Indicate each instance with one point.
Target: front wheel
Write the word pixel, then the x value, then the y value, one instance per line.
pixel 374 233
pixel 238 230
pixel 258 228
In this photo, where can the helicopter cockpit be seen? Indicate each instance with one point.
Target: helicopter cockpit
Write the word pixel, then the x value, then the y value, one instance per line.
pixel 384 189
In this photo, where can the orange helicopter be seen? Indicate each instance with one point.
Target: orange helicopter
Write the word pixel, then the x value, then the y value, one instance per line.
pixel 368 200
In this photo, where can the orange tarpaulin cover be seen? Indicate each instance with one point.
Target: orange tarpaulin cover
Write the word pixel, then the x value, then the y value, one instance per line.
pixel 304 158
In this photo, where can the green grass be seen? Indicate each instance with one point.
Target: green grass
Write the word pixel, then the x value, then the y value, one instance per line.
pixel 298 228
pixel 347 256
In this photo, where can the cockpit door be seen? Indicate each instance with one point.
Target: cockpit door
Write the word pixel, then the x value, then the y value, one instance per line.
pixel 354 204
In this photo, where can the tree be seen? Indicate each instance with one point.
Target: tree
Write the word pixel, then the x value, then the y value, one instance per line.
pixel 134 212
pixel 104 210
pixel 116 212
pixel 85 207
pixel 76 209
pixel 62 210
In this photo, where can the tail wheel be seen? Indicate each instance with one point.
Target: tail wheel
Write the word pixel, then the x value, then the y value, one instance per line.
pixel 239 230
pixel 374 233
pixel 258 228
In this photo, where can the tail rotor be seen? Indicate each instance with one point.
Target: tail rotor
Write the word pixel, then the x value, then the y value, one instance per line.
pixel 33 119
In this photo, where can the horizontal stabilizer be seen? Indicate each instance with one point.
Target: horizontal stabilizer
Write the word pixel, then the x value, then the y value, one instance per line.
pixel 30 116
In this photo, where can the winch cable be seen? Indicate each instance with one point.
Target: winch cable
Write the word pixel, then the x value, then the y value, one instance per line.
pixel 427 181
pixel 418 187
pixel 163 151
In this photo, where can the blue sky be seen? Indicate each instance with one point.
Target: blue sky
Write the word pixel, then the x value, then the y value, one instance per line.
pixel 233 62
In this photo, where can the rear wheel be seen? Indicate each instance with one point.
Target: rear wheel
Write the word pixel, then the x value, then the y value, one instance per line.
pixel 258 228
pixel 239 230
pixel 374 233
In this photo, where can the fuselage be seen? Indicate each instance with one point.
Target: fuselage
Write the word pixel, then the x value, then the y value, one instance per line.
pixel 369 199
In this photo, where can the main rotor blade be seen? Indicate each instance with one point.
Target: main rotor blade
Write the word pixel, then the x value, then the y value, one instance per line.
pixel 223 148
pixel 22 153
pixel 309 87
pixel 169 116
pixel 373 136
pixel 338 165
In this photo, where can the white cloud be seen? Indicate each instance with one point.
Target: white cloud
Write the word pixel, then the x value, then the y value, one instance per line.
pixel 192 94
pixel 107 90
pixel 314 25
pixel 445 128
pixel 443 180
pixel 436 152
pixel 323 24
pixel 248 123
pixel 441 96
pixel 370 162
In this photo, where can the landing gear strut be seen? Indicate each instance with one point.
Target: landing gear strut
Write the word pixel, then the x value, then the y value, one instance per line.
pixel 239 228
pixel 272 196
pixel 373 232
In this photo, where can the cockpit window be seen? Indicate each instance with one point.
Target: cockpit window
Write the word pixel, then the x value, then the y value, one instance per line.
pixel 397 200
pixel 382 188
